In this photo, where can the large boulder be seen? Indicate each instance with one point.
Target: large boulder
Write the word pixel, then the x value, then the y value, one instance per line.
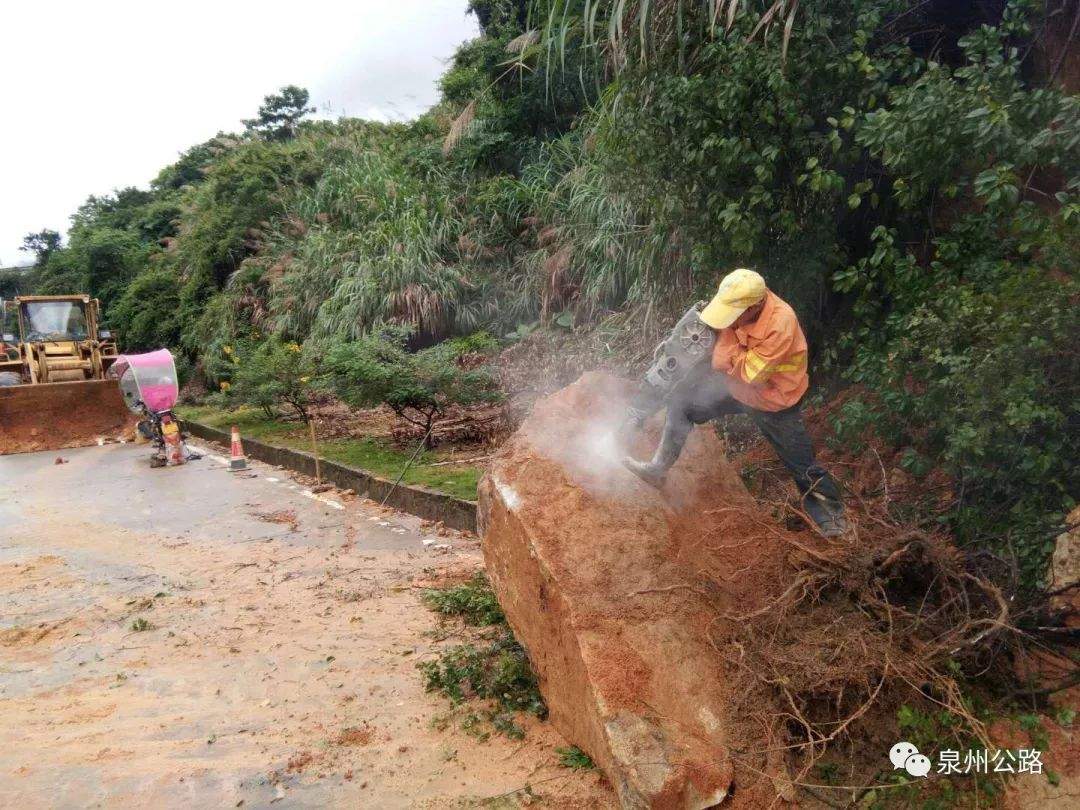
pixel 596 573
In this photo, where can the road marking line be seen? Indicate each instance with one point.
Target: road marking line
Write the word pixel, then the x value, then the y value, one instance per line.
pixel 309 494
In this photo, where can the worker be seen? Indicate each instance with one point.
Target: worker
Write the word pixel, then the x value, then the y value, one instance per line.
pixel 759 368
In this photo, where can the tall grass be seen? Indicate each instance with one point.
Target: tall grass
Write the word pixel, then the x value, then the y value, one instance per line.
pixel 595 250
pixel 388 230
pixel 622 34
pixel 401 237
pixel 375 239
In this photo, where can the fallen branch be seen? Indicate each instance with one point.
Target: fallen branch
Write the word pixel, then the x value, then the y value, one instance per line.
pixel 455 461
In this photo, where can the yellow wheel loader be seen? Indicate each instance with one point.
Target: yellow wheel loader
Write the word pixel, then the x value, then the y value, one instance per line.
pixel 53 387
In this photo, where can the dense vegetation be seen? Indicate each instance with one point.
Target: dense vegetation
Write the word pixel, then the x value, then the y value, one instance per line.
pixel 906 175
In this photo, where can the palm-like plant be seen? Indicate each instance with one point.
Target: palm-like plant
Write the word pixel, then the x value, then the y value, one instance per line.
pixel 382 237
pixel 593 248
pixel 626 33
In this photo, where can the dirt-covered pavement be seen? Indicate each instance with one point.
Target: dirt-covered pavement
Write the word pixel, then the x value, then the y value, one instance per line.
pixel 190 637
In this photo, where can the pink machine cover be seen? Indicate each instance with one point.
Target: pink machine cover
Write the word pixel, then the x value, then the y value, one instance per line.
pixel 149 377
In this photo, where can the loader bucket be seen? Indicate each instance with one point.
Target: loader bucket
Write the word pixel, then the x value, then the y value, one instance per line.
pixel 51 416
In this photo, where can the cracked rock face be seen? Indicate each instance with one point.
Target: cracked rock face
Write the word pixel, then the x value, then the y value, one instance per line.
pixel 1065 565
pixel 597 581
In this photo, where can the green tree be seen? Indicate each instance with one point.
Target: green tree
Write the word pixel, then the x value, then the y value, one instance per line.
pixel 280 114
pixel 966 344
pixel 274 374
pixel 147 315
pixel 193 164
pixel 111 241
pixel 13 281
pixel 418 386
pixel 498 16
pixel 42 244
pixel 225 218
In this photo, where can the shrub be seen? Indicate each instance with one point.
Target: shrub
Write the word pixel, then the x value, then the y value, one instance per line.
pixel 498 670
pixel 379 368
pixel 574 758
pixel 273 374
pixel 382 236
pixel 968 342
pixel 474 601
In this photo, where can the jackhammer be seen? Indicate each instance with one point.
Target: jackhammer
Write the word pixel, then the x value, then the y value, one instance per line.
pixel 680 360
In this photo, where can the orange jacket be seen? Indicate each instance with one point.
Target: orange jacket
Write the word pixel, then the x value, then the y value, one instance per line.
pixel 765 362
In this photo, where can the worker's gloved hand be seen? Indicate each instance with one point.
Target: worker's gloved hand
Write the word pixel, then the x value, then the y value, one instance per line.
pixel 633 420
pixel 643 404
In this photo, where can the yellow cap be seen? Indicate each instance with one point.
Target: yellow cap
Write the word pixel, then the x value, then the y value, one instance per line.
pixel 739 290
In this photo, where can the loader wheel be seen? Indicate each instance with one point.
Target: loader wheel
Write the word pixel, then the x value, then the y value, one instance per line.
pixel 10 378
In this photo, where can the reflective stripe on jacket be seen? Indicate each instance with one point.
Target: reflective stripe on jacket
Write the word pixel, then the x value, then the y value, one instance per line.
pixel 766 362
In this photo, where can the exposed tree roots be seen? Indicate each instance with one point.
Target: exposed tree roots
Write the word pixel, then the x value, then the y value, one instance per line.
pixel 886 616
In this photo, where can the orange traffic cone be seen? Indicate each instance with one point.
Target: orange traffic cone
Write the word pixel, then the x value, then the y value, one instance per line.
pixel 236 457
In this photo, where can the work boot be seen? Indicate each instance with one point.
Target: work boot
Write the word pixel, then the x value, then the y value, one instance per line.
pixel 827 513
pixel 654 472
pixel 650 472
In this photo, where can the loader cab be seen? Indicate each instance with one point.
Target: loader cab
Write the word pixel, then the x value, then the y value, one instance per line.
pixel 54 321
pixel 59 340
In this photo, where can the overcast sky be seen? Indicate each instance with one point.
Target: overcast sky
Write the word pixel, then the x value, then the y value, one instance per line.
pixel 100 95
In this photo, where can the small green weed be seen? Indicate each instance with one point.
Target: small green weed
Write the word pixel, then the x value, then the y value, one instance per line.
pixel 827 772
pixel 141 625
pixel 493 668
pixel 1037 733
pixel 504 723
pixel 474 601
pixel 473 724
pixel 573 757
pixel 498 670
pixel 933 730
pixel 1065 716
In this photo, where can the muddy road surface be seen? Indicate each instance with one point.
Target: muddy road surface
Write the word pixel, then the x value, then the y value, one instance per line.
pixel 190 637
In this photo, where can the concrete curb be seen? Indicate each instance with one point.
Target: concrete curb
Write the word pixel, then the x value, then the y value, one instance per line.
pixel 426 503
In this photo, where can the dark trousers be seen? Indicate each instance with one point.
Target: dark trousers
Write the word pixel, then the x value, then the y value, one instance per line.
pixel 708 398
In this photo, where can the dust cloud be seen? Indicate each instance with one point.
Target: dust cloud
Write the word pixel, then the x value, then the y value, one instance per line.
pixel 590 450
